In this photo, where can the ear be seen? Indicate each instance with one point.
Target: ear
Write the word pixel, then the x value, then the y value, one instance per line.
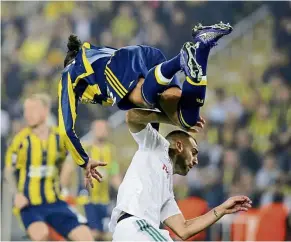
pixel 179 146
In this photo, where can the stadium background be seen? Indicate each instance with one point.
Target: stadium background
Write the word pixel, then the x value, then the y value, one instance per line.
pixel 246 145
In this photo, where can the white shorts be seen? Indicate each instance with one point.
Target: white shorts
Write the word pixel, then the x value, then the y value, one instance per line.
pixel 134 229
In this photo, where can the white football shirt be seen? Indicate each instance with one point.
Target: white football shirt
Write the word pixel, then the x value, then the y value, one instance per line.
pixel 147 188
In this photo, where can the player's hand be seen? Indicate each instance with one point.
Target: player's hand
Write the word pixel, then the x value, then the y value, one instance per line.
pixel 235 204
pixel 20 201
pixel 198 126
pixel 91 172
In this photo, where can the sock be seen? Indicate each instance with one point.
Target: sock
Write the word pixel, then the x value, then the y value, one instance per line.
pixel 154 84
pixel 202 54
pixel 171 67
pixel 193 96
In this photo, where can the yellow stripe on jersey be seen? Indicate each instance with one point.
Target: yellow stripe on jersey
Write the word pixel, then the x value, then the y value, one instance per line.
pixel 22 165
pixel 110 81
pixel 115 83
pixel 118 83
pixel 51 163
pixel 34 173
pixel 88 67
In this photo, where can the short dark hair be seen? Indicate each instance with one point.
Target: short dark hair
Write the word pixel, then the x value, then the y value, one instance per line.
pixel 74 45
pixel 179 134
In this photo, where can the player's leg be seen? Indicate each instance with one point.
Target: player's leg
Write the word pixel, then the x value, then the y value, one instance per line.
pixel 194 64
pixel 34 224
pixel 95 213
pixel 68 222
pixel 38 231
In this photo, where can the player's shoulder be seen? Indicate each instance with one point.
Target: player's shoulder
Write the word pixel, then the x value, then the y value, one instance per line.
pixel 55 129
pixel 19 137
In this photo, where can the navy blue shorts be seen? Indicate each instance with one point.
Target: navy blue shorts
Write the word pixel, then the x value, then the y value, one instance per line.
pixel 126 66
pixel 59 215
pixel 96 213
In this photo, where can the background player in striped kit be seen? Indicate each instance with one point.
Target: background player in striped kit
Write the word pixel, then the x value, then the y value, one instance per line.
pixel 36 153
pixel 96 202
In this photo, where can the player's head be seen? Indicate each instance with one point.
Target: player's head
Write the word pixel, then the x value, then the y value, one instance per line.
pixel 74 45
pixel 183 151
pixel 100 130
pixel 36 109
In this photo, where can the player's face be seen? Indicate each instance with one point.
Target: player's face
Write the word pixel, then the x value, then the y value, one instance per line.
pixel 35 112
pixel 187 157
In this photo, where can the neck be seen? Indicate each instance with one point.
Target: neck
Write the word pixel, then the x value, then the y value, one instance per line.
pixel 98 142
pixel 172 157
pixel 41 130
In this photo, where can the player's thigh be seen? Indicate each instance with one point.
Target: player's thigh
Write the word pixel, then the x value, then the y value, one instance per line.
pixel 169 101
pixel 32 218
pixel 135 96
pixel 38 231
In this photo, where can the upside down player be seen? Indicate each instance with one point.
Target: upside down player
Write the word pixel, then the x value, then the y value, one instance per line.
pixel 135 76
pixel 145 197
pixel 36 154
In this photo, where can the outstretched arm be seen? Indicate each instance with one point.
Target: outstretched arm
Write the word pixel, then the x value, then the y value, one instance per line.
pixel 187 228
pixel 137 119
pixel 67 118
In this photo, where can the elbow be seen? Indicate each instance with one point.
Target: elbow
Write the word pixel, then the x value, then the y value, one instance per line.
pixel 184 233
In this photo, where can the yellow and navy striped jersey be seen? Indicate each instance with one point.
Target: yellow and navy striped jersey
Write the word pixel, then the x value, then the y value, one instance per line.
pixel 100 192
pixel 82 81
pixel 37 164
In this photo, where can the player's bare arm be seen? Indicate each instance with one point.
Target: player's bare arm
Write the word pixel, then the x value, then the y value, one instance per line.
pixel 137 119
pixel 187 228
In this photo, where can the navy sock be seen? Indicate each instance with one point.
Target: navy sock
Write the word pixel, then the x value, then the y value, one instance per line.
pixel 171 67
pixel 202 54
pixel 193 96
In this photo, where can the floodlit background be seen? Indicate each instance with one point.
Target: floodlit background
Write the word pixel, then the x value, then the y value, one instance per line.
pixel 246 145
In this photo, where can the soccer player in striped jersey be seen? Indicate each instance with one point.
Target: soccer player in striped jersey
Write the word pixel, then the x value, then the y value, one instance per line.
pixel 36 154
pixel 96 201
pixel 132 77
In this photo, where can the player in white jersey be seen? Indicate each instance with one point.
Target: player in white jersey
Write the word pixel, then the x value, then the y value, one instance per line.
pixel 145 197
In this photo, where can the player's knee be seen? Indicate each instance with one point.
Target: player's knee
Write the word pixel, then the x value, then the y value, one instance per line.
pixel 81 233
pixel 38 232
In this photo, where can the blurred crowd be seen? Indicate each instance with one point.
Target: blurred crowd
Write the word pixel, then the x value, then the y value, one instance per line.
pixel 246 148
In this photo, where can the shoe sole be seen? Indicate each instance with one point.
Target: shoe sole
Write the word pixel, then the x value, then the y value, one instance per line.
pixel 195 68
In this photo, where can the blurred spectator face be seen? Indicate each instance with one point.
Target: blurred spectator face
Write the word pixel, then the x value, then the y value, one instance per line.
pixel 106 38
pixel 269 162
pixel 100 129
pixel 35 112
pixel 147 14
pixel 243 139
pixel 126 10
pixel 286 23
pixel 263 112
pixel 178 17
pixel 230 159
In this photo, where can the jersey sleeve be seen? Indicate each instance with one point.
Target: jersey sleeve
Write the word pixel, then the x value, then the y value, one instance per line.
pixel 149 138
pixel 169 209
pixel 11 156
pixel 67 119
